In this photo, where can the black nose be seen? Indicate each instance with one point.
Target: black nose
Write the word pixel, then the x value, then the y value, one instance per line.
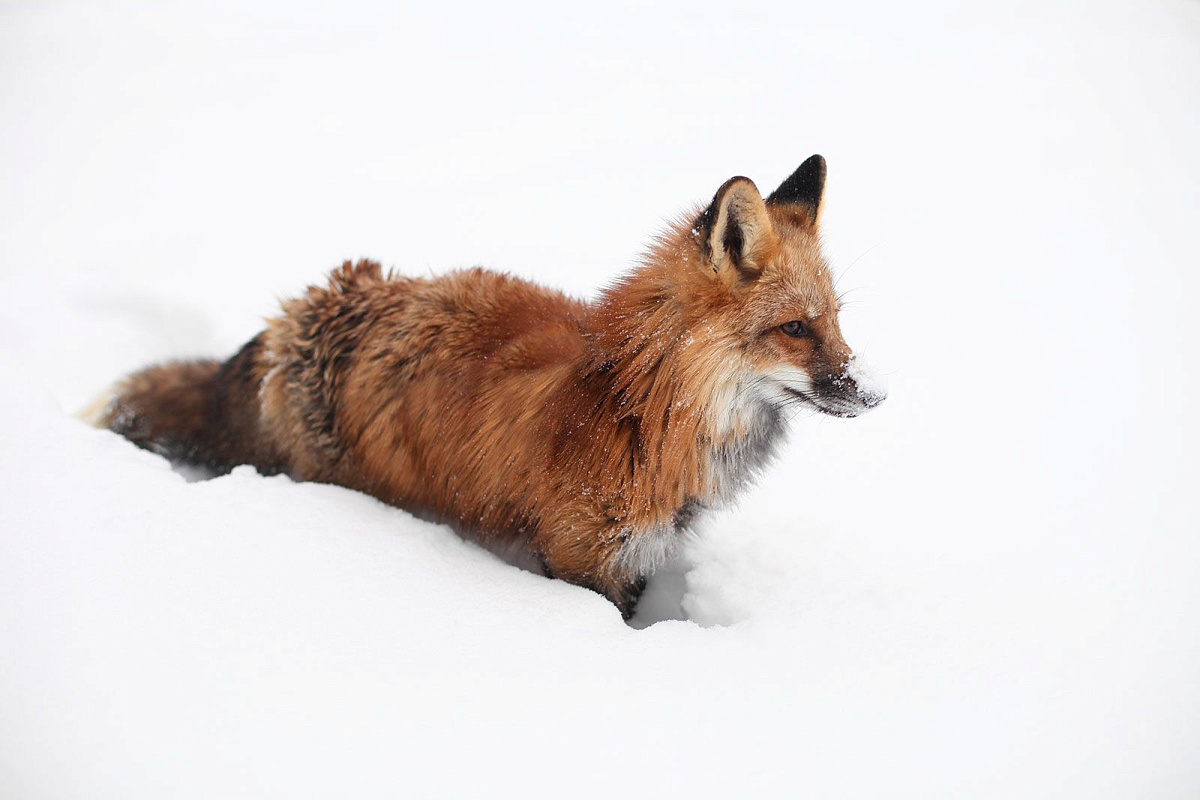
pixel 871 399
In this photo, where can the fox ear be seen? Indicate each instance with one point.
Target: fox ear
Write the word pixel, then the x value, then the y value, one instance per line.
pixel 736 230
pixel 805 187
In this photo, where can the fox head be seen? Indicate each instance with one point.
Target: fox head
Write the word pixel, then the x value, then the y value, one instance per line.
pixel 763 281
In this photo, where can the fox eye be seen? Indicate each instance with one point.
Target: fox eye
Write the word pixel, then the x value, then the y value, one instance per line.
pixel 794 328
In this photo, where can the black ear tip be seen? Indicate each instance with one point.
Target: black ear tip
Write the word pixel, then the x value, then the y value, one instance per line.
pixel 805 186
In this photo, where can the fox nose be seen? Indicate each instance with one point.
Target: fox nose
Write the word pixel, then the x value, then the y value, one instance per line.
pixel 868 389
pixel 871 397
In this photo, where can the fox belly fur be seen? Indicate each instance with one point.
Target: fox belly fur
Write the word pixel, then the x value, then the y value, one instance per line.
pixel 591 433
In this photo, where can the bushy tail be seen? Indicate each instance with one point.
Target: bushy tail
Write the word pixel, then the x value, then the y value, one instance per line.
pixel 164 408
pixel 196 412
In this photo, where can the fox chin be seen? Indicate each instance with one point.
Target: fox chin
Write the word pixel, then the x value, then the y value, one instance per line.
pixel 592 434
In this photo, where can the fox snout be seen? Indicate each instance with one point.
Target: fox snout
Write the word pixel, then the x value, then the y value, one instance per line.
pixel 849 391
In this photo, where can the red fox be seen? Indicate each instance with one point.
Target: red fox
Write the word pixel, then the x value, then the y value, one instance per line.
pixel 590 433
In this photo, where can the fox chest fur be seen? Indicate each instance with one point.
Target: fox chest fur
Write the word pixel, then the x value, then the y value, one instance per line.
pixel 592 433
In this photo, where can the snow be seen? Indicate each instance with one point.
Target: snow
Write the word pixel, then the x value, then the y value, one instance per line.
pixel 987 587
pixel 868 383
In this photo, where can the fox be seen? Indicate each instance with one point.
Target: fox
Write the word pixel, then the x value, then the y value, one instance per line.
pixel 592 434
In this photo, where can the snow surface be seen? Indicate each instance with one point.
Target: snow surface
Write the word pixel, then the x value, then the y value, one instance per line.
pixel 989 587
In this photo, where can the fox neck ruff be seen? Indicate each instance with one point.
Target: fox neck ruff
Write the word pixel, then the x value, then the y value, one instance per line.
pixel 706 426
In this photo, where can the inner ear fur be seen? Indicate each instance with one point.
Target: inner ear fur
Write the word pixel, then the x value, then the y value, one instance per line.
pixel 736 230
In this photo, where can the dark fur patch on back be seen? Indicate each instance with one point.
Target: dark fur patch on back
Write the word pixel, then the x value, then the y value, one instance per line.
pixel 329 327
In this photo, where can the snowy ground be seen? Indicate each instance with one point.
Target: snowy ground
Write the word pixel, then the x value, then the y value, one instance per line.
pixel 988 588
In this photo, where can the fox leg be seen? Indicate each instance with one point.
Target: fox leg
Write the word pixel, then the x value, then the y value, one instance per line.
pixel 632 594
pixel 591 562
pixel 622 592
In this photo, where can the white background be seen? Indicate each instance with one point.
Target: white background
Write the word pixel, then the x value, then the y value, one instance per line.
pixel 989 587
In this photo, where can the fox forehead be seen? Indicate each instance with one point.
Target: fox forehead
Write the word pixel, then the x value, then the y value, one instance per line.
pixel 797 279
